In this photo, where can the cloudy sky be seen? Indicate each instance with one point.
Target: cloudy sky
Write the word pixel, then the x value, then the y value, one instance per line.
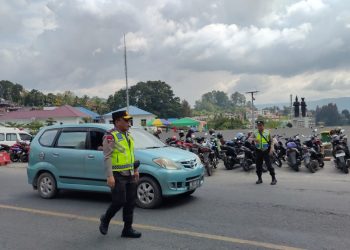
pixel 279 47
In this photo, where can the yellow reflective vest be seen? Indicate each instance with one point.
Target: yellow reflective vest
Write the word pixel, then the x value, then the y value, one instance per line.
pixel 123 158
pixel 262 140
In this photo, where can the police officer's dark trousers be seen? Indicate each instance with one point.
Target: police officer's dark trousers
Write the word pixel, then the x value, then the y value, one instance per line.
pixel 123 195
pixel 262 156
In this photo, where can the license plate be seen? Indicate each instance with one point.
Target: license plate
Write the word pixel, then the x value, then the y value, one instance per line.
pixel 340 155
pixel 193 184
pixel 240 156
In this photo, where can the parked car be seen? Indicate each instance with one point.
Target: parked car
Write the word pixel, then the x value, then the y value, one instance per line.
pixel 71 157
pixel 10 136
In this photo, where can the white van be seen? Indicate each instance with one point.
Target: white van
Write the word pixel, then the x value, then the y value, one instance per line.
pixel 10 136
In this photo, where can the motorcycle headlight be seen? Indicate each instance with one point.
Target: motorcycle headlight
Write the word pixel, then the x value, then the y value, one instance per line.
pixel 167 163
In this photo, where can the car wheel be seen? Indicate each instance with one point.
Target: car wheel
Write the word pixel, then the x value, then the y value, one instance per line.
pixel 47 186
pixel 149 194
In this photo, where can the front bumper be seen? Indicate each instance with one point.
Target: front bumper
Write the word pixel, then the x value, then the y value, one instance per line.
pixel 181 181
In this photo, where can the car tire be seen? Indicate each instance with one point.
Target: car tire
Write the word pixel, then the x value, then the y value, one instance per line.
pixel 148 193
pixel 47 187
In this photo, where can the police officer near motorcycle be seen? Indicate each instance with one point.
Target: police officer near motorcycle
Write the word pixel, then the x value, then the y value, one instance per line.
pixel 122 174
pixel 264 149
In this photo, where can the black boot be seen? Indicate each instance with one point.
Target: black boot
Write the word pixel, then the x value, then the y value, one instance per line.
pixel 103 225
pixel 274 181
pixel 259 181
pixel 129 232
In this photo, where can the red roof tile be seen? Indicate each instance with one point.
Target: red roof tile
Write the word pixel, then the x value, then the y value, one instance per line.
pixel 63 111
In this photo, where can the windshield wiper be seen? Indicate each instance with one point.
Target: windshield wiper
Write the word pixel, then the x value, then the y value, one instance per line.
pixel 152 147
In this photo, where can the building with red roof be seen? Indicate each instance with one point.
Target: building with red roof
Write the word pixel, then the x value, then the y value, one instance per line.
pixel 64 114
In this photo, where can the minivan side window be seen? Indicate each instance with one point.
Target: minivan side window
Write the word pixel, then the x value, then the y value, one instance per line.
pixel 72 139
pixel 2 137
pixel 11 137
pixel 47 138
pixel 25 137
pixel 96 138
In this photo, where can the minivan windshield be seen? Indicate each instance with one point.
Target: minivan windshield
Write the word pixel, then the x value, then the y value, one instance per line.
pixel 145 140
pixel 25 137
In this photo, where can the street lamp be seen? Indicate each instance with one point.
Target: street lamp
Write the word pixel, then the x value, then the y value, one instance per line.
pixel 252 106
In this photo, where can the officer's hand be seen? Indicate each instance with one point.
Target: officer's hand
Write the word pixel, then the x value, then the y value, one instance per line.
pixel 137 176
pixel 271 153
pixel 111 181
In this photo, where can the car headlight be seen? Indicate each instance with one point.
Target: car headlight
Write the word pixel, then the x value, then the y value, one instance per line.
pixel 167 163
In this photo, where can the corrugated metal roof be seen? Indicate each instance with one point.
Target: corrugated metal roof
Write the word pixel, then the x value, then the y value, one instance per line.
pixel 63 111
pixel 132 111
pixel 90 113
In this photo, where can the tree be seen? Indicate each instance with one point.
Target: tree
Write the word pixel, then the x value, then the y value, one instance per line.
pixel 34 98
pixel 186 109
pixel 328 114
pixel 68 97
pixel 34 127
pixel 238 99
pixel 213 101
pixel 156 97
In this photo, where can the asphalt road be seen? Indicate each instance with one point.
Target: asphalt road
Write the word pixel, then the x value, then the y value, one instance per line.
pixel 304 211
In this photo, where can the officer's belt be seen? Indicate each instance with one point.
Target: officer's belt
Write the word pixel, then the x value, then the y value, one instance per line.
pixel 126 166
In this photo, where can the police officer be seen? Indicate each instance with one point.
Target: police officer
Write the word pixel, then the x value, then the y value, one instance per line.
pixel 122 173
pixel 264 149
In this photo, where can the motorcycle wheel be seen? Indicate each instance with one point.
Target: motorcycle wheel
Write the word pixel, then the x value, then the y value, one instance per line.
pixel 245 166
pixel 228 166
pixel 321 163
pixel 313 166
pixel 277 162
pixel 296 168
pixel 208 169
pixel 24 158
pixel 14 157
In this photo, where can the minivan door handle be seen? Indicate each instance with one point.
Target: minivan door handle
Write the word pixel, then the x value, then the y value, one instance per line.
pixel 55 154
pixel 91 157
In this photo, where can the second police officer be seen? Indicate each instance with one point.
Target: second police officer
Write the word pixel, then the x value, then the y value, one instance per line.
pixel 264 148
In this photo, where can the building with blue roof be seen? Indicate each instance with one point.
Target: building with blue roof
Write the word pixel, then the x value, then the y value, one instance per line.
pixel 93 115
pixel 140 117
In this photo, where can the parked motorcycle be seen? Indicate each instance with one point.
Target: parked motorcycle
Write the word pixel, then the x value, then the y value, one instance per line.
pixel 341 153
pixel 19 152
pixel 4 147
pixel 294 152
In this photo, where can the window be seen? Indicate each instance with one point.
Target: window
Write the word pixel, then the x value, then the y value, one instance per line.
pixel 11 137
pixel 96 138
pixel 72 139
pixel 143 122
pixel 47 138
pixel 25 137
pixel 2 137
pixel 144 139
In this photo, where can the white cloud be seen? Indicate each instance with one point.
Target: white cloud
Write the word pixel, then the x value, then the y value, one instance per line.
pixel 277 47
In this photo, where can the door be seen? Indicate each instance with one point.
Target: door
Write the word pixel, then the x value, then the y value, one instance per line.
pixel 69 153
pixel 94 159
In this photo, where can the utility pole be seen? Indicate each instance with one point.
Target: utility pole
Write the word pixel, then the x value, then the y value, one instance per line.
pixel 252 107
pixel 126 77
